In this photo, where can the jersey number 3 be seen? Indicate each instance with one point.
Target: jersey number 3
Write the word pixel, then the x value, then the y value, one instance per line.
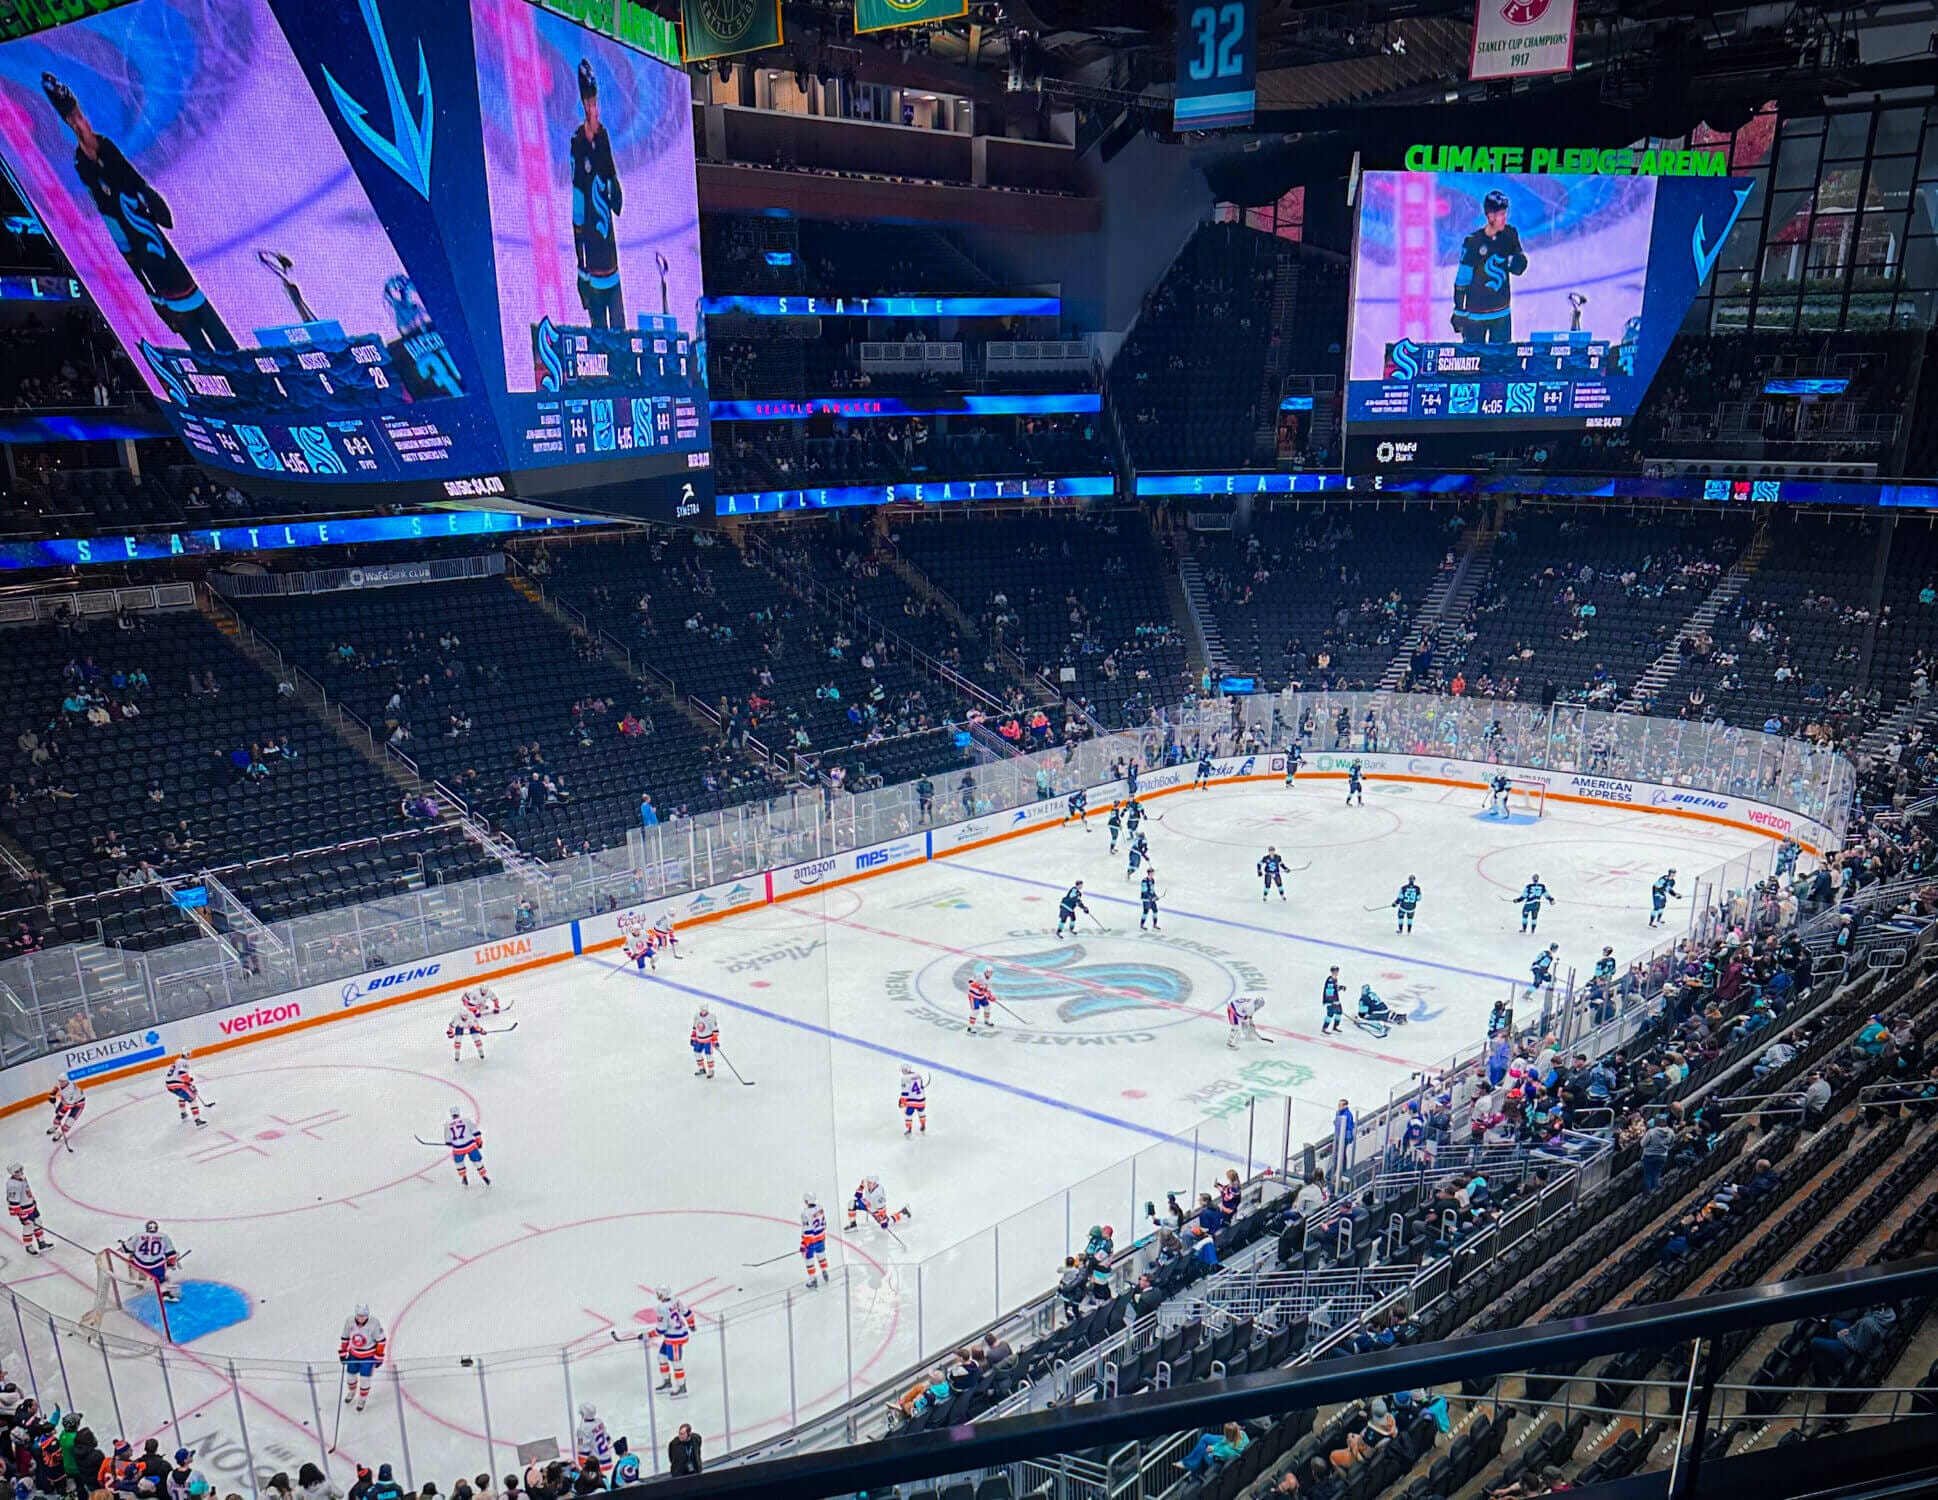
pixel 1220 32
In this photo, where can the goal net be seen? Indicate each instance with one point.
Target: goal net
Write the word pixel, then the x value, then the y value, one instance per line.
pixel 120 1287
pixel 1527 799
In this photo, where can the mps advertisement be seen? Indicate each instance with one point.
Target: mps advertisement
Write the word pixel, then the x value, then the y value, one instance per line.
pixel 1524 300
pixel 378 242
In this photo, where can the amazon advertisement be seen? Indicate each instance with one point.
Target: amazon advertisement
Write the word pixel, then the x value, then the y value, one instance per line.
pixel 285 211
pixel 1513 300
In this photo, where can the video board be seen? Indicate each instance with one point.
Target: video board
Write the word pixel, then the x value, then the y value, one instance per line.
pixel 1524 300
pixel 378 242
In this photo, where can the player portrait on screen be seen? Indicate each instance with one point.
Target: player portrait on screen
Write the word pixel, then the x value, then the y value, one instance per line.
pixel 598 197
pixel 1483 289
pixel 137 219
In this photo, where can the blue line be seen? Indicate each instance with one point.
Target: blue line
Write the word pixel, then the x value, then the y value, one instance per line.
pixel 1295 937
pixel 911 1057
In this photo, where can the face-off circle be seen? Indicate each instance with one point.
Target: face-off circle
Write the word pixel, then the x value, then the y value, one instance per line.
pixel 305 1147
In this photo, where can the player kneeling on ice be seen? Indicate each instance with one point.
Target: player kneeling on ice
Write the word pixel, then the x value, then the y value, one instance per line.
pixel 871 1200
pixel 705 1039
pixel 642 947
pixel 25 1211
pixel 1241 1015
pixel 467 1147
pixel 814 1238
pixel 181 1083
pixel 914 1101
pixel 360 1351
pixel 1375 1015
pixel 674 1323
pixel 463 1025
pixel 155 1256
pixel 591 1445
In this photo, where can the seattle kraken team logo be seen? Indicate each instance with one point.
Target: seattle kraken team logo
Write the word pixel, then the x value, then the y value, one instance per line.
pixel 1103 991
pixel 1405 360
pixel 1063 980
pixel 547 338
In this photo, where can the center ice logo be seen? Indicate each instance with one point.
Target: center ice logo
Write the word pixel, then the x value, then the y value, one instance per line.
pixel 1080 989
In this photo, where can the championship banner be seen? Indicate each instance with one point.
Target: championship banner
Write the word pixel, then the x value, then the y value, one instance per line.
pixel 1522 38
pixel 720 28
pixel 881 15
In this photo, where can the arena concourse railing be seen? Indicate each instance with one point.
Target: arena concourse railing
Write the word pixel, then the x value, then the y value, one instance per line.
pixel 845 1348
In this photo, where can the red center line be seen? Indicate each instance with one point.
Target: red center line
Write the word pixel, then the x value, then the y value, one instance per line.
pixel 1107 989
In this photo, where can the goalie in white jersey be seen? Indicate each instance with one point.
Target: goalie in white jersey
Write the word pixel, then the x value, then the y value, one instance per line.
pixel 155 1256
pixel 360 1351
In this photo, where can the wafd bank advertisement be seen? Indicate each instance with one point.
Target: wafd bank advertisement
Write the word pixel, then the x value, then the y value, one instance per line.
pixel 1534 300
pixel 284 210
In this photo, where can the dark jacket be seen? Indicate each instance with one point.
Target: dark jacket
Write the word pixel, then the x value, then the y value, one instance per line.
pixel 683 1455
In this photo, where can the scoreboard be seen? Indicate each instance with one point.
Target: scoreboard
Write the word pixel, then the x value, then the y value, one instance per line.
pixel 1548 376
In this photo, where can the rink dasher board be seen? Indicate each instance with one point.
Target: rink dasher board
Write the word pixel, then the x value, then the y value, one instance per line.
pixel 26 1085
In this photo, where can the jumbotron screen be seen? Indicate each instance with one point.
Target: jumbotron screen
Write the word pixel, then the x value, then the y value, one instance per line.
pixel 1531 301
pixel 448 243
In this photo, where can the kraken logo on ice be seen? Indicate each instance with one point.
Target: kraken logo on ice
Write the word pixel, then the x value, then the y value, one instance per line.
pixel 1100 990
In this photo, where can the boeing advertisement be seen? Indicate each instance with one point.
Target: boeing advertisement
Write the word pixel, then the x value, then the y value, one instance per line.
pixel 380 242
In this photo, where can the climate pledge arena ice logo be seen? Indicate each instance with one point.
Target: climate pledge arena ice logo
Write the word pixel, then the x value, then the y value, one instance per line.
pixel 1099 990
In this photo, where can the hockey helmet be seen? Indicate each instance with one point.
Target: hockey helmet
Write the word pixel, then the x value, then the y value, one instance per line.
pixel 152 1227
pixel 906 1069
pixel 16 1170
pixel 808 1199
pixel 1495 202
pixel 363 1312
pixel 456 1113
pixel 59 95
pixel 589 86
pixel 587 1411
pixel 664 1293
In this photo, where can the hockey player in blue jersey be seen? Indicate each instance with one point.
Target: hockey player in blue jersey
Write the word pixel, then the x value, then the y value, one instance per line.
pixel 1405 905
pixel 1068 907
pixel 1659 895
pixel 1201 781
pixel 1139 852
pixel 1078 807
pixel 1294 758
pixel 1355 785
pixel 1531 899
pixel 1335 1009
pixel 597 196
pixel 1271 869
pixel 1543 967
pixel 1147 899
pixel 1497 801
pixel 1115 823
pixel 1133 815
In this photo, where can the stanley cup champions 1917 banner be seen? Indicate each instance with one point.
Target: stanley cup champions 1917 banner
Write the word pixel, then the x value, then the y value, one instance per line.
pixel 1522 38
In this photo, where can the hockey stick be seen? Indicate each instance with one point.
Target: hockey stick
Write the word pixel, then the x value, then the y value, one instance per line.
pixel 422 1142
pixel 1296 869
pixel 887 1230
pixel 630 1338
pixel 1382 906
pixel 488 1031
pixel 1006 1011
pixel 744 1082
pixel 1093 917
pixel 750 1264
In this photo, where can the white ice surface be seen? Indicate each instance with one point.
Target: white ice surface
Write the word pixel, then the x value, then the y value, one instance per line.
pixel 615 1169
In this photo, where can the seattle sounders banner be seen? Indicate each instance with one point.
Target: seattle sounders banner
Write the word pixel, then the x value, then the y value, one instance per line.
pixel 1522 38
pixel 880 15
pixel 719 28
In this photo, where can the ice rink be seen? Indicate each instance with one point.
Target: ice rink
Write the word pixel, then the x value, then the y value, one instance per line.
pixel 614 1169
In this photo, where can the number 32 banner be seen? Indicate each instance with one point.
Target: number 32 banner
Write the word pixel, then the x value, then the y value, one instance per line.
pixel 1217 65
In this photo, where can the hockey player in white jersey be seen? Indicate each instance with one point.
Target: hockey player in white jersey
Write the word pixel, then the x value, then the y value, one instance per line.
pixel 814 1238
pixel 26 1212
pixel 673 1321
pixel 1241 1015
pixel 155 1256
pixel 642 949
pixel 467 1146
pixel 664 934
pixel 465 1024
pixel 914 1101
pixel 705 1038
pixel 871 1200
pixel 361 1352
pixel 68 1102
pixel 181 1083
pixel 590 1443
pixel 483 1001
